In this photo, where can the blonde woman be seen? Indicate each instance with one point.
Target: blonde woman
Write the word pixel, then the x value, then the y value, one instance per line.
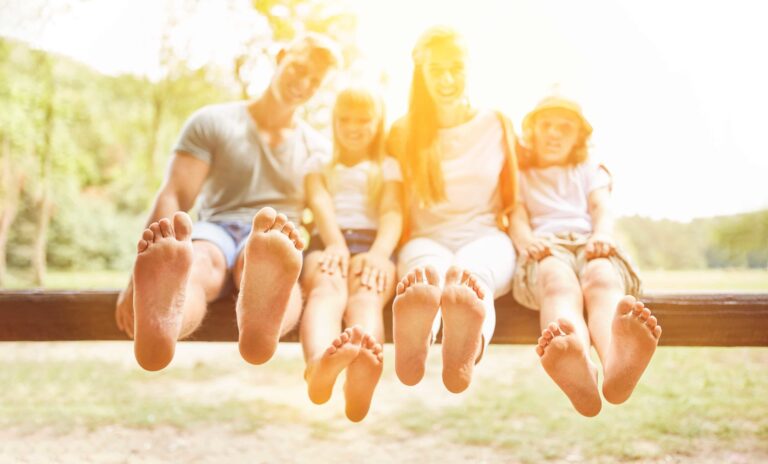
pixel 460 177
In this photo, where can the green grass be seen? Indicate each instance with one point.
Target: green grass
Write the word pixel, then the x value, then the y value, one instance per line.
pixel 690 399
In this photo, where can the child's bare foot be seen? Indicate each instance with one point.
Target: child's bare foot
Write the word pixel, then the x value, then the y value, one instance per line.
pixel 414 311
pixel 321 373
pixel 362 376
pixel 463 315
pixel 160 278
pixel 634 336
pixel 271 268
pixel 566 360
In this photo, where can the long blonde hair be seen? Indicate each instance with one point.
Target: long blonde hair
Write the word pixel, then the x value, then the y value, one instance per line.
pixel 360 97
pixel 421 158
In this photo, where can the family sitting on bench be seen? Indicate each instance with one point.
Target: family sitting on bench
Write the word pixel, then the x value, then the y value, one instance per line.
pixel 446 211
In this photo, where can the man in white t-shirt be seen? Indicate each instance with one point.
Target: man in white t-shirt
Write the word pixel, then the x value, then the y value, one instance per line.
pixel 243 160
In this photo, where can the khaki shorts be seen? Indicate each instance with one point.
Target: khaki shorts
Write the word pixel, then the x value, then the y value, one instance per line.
pixel 570 249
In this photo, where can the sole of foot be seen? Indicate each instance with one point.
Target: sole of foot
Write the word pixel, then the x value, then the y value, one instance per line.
pixel 566 360
pixel 463 315
pixel 635 334
pixel 160 277
pixel 417 299
pixel 271 268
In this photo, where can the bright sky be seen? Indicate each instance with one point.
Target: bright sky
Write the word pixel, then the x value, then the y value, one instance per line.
pixel 677 91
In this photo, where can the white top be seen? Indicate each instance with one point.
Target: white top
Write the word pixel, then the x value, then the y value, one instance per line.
pixel 472 159
pixel 350 194
pixel 557 197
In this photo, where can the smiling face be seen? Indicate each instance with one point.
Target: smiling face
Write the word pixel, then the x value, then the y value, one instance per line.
pixel 555 133
pixel 444 73
pixel 298 75
pixel 355 127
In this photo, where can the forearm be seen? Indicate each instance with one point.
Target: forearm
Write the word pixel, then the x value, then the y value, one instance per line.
pixel 388 235
pixel 602 221
pixel 325 221
pixel 166 204
pixel 520 230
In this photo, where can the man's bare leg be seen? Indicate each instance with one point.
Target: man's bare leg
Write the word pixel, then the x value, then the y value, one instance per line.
pixel 564 344
pixel 173 279
pixel 271 265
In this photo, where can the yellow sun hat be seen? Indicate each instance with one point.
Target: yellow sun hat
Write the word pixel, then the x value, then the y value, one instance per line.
pixel 556 102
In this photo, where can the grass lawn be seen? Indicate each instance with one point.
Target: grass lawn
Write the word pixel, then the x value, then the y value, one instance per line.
pixel 693 405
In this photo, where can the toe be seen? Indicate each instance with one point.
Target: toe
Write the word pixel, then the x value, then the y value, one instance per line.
pixel 652 322
pixel 356 335
pixel 644 314
pixel 182 226
pixel 540 350
pixel 264 219
pixel 453 276
pixel 553 328
pixel 657 331
pixel 280 221
pixel 400 288
pixel 165 227
pixel 566 326
pixel 432 276
pixel 143 245
pixel 148 235
pixel 626 304
pixel 288 228
pixel 156 233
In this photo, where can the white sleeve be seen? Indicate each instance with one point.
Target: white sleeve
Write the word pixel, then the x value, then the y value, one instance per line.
pixel 596 176
pixel 315 163
pixel 390 170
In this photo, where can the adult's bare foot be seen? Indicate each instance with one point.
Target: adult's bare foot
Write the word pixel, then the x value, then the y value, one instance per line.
pixel 463 315
pixel 414 310
pixel 271 269
pixel 160 277
pixel 634 336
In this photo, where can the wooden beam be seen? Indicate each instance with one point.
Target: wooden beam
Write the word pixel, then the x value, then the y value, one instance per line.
pixel 688 319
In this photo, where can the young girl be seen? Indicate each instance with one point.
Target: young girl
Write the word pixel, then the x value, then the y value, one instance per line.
pixel 356 201
pixel 460 171
pixel 569 262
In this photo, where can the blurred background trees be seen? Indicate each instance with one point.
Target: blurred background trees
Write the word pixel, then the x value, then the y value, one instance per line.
pixel 83 153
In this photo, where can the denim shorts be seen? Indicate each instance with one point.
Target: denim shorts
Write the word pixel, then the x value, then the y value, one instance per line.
pixel 228 236
pixel 358 241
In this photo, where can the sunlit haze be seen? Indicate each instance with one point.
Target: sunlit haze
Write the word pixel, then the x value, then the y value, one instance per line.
pixel 676 91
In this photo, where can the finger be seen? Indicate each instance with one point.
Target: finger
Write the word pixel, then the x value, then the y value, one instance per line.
pixel 119 319
pixel 365 276
pixel 382 281
pixel 344 262
pixel 357 266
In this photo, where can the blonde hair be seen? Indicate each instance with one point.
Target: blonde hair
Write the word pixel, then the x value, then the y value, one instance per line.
pixel 318 47
pixel 364 98
pixel 421 157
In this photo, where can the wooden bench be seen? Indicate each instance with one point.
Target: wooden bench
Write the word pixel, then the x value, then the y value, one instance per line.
pixel 688 319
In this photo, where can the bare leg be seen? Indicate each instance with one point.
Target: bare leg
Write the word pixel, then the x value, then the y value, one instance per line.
pixel 173 279
pixel 364 309
pixel 564 345
pixel 271 267
pixel 321 322
pixel 414 311
pixel 602 290
pixel 463 315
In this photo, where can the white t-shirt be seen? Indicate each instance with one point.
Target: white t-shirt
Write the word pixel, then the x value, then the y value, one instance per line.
pixel 351 202
pixel 472 158
pixel 557 197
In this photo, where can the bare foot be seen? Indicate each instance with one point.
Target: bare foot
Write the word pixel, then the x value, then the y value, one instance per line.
pixel 414 310
pixel 566 360
pixel 463 315
pixel 362 376
pixel 159 281
pixel 634 336
pixel 321 373
pixel 272 266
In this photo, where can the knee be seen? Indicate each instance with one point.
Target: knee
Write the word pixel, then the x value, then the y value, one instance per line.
pixel 599 275
pixel 328 287
pixel 556 283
